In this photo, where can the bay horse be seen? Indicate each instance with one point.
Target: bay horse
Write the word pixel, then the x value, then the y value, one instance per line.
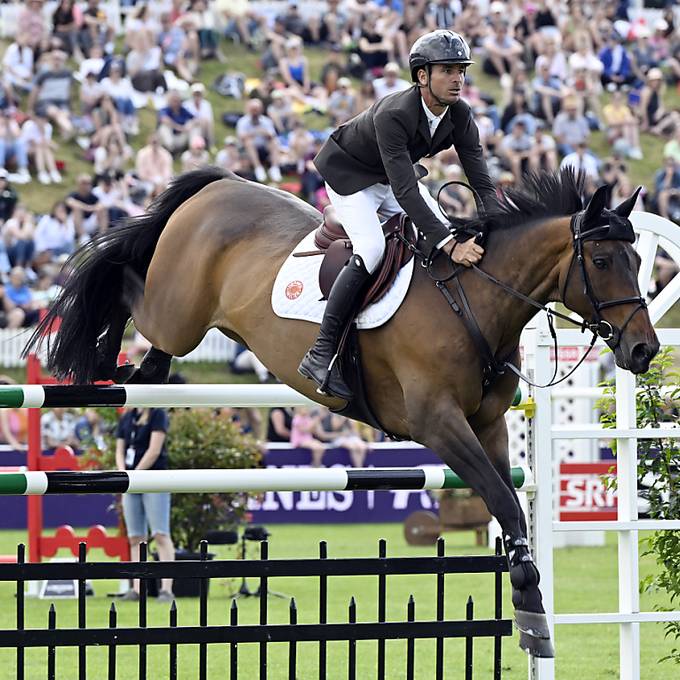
pixel 206 255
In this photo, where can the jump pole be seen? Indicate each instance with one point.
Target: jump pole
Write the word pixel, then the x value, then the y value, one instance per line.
pixel 433 477
pixel 158 396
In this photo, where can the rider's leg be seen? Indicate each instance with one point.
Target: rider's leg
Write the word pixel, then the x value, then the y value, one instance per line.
pixel 357 212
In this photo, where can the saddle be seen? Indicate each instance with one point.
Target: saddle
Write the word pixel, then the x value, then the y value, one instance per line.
pixel 330 238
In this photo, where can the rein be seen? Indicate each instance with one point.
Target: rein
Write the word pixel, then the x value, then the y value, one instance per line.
pixel 599 327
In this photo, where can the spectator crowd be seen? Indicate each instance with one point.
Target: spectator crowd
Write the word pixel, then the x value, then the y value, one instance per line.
pixel 84 76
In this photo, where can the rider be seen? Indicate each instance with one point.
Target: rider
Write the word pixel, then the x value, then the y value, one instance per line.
pixel 367 164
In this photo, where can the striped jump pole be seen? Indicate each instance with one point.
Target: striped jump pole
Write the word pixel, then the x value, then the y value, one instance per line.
pixel 159 396
pixel 235 481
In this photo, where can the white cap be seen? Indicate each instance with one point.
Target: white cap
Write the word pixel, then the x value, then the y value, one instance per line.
pixel 497 7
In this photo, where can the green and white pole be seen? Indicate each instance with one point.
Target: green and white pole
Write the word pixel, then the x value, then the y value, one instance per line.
pixel 158 396
pixel 149 396
pixel 234 481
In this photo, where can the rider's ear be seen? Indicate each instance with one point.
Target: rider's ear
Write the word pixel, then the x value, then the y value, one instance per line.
pixel 598 202
pixel 421 75
pixel 626 208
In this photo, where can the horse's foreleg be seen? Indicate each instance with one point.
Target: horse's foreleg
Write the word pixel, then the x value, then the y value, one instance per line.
pixel 446 431
pixel 524 575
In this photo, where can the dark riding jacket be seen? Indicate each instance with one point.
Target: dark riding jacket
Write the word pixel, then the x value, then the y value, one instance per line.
pixel 382 143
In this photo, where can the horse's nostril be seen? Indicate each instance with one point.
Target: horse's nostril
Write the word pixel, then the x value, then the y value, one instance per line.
pixel 642 354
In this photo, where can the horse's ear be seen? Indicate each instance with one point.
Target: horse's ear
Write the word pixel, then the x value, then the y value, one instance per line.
pixel 598 202
pixel 626 208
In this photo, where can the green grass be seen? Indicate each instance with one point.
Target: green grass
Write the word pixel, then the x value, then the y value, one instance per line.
pixel 585 578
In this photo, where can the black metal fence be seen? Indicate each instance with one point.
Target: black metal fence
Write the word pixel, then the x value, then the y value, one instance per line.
pixel 232 635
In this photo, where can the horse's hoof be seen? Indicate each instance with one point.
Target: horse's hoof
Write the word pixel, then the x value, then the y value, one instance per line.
pixel 123 373
pixel 534 634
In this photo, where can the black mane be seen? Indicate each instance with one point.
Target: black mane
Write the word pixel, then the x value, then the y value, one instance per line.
pixel 540 196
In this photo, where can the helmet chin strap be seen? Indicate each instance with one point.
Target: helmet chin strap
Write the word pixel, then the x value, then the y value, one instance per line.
pixel 439 101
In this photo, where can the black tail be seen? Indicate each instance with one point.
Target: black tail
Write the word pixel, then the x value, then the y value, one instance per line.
pixel 97 287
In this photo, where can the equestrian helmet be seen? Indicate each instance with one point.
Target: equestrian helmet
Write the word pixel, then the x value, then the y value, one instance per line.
pixel 438 47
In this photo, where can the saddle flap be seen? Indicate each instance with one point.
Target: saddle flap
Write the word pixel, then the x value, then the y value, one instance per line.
pixel 339 250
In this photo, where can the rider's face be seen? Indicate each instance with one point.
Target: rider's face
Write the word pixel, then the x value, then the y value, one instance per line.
pixel 446 81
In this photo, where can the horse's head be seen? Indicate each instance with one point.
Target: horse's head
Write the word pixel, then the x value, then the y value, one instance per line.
pixel 600 281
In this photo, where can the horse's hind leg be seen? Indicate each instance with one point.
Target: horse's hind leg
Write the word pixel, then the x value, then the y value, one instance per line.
pixel 108 346
pixel 154 369
pixel 445 430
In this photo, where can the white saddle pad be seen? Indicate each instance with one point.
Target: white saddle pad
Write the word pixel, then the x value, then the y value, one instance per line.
pixel 296 293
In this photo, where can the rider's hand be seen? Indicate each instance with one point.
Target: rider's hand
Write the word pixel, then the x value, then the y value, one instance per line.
pixel 467 253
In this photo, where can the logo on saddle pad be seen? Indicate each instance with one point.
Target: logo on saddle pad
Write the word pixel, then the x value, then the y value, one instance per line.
pixel 294 290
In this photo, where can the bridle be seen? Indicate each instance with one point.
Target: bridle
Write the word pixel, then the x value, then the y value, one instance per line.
pixel 579 237
pixel 618 229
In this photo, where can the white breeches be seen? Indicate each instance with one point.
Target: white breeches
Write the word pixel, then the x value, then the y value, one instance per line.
pixel 362 213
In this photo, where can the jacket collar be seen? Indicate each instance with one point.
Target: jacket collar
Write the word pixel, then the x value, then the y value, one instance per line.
pixel 443 129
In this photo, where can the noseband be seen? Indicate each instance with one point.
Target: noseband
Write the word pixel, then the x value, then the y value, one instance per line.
pixel 614 231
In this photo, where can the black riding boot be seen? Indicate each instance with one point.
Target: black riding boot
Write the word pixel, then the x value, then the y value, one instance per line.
pixel 342 303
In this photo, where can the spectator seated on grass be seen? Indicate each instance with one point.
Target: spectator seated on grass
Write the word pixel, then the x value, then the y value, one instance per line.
pixel 93 64
pixel 66 20
pixel 672 147
pixel 31 28
pixel 13 149
pixel 617 66
pixel 300 147
pixel 518 150
pixel 667 188
pixel 119 88
pixel 51 93
pixel 654 114
pixel 230 158
pixel 17 66
pixel 107 122
pixel 582 160
pixel 390 82
pixel 240 22
pixel 343 103
pixel 89 215
pixel 201 109
pixel 54 236
pixel 257 135
pixel 96 29
pixel 18 235
pixel 141 27
pixel 196 156
pixel 546 148
pixel 111 157
pixel 179 47
pixel 621 126
pixel 570 127
pixel 203 17
pixel 375 48
pixel 548 91
pixel 21 295
pixel 502 52
pixel 144 66
pixel 11 316
pixel 8 197
pixel 281 112
pixel 112 197
pixel 154 165
pixel 37 134
pixel 176 125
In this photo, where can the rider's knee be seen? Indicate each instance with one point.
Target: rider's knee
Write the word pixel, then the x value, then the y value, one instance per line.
pixel 371 253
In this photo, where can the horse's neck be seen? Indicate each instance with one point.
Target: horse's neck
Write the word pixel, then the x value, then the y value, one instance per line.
pixel 527 259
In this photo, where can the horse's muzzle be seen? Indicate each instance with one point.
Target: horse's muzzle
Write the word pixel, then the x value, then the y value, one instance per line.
pixel 641 356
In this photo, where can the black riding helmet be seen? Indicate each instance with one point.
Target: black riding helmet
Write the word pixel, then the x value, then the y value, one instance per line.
pixel 438 47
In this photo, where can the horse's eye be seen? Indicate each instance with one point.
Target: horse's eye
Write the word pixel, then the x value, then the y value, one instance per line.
pixel 601 262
